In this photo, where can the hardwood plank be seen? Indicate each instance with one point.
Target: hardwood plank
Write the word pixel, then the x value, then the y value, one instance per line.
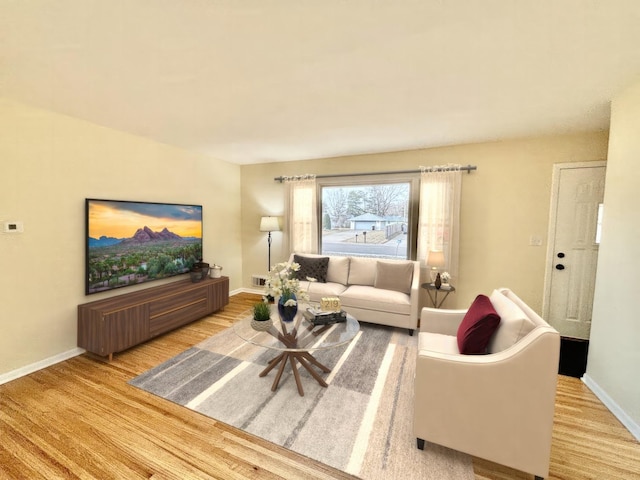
pixel 80 419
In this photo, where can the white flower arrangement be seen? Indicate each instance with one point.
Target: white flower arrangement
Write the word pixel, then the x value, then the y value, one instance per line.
pixel 281 282
pixel 445 277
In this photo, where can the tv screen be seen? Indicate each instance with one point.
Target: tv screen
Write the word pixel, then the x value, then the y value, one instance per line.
pixel 128 243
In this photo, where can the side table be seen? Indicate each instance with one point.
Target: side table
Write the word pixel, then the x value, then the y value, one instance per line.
pixel 433 293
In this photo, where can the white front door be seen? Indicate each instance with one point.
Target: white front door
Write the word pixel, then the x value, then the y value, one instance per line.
pixel 576 208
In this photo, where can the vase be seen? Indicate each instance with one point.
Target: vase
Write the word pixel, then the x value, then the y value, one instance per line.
pixel 287 312
pixel 260 325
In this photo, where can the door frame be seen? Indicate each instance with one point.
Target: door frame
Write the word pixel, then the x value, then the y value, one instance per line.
pixel 551 235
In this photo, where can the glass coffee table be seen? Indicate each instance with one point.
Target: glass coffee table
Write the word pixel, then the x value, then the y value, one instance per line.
pixel 295 341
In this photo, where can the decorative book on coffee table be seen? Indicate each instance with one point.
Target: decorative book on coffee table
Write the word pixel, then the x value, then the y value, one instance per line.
pixel 321 317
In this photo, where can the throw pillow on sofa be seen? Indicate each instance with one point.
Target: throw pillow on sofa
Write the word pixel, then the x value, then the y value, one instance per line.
pixel 478 325
pixel 338 271
pixel 362 271
pixel 514 324
pixel 311 267
pixel 394 276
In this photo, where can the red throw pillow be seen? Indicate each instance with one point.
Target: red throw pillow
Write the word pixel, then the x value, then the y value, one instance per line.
pixel 478 325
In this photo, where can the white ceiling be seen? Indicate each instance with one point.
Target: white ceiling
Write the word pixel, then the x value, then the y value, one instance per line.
pixel 251 81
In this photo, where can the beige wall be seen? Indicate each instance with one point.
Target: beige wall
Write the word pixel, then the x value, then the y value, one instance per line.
pixel 504 202
pixel 614 352
pixel 49 164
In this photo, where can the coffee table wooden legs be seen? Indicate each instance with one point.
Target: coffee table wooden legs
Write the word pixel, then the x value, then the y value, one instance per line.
pixel 305 359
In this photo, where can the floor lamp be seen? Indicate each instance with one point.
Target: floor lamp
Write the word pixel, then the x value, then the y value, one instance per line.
pixel 269 224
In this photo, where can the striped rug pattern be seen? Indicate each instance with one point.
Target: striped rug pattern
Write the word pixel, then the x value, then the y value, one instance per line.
pixel 361 423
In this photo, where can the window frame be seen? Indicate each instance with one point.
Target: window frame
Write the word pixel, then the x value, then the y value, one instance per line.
pixel 413 179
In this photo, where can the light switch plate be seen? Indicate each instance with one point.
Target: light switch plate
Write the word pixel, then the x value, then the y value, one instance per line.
pixel 13 227
pixel 535 240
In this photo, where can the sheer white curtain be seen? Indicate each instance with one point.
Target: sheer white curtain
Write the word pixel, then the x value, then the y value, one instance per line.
pixel 439 217
pixel 302 213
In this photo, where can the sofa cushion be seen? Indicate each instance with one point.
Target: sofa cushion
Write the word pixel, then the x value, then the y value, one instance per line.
pixel 394 276
pixel 437 342
pixel 317 290
pixel 371 298
pixel 312 267
pixel 478 325
pixel 514 324
pixel 362 271
pixel 338 271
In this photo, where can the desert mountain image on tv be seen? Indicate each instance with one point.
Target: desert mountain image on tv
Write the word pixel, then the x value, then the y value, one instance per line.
pixel 134 242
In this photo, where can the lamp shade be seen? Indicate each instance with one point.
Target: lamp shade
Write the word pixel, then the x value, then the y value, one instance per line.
pixel 435 259
pixel 269 224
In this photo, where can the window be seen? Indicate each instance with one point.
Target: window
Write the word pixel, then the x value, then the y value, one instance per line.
pixel 369 218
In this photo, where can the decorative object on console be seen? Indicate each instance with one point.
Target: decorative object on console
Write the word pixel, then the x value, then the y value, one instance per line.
pixel 126 240
pixel 199 271
pixel 269 224
pixel 435 260
pixel 445 277
pixel 216 271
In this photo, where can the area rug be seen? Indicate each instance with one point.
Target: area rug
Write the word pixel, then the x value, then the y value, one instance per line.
pixel 361 423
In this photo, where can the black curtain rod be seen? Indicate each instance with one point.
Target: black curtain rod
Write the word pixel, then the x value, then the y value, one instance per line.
pixel 468 168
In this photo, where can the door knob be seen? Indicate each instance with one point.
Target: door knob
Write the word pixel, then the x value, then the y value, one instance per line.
pixel 559 267
pixel 560 255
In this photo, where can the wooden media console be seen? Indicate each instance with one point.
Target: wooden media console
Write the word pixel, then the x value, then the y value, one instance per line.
pixel 114 324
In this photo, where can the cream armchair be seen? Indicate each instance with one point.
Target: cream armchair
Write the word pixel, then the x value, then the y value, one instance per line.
pixel 497 406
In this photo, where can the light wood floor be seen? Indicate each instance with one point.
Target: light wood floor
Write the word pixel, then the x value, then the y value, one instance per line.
pixel 80 419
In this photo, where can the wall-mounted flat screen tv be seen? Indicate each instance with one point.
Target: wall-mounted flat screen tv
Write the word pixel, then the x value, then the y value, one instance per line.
pixel 128 243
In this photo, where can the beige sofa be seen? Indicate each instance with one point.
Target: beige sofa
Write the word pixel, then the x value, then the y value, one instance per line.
pixel 497 406
pixel 373 290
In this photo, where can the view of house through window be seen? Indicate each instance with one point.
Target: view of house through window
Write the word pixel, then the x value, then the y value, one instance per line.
pixel 366 220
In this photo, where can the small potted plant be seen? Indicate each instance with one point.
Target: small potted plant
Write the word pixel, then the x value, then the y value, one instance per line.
pixel 261 316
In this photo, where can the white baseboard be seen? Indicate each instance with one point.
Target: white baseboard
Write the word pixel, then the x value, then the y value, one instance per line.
pixel 257 291
pixel 619 413
pixel 34 367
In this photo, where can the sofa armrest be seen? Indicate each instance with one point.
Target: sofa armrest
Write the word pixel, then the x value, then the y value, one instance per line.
pixel 441 320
